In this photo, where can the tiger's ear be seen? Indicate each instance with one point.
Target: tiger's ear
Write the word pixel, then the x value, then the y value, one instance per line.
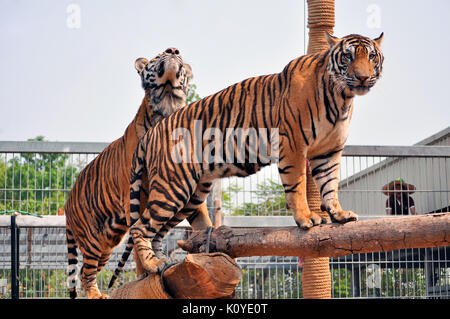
pixel 332 40
pixel 379 39
pixel 188 69
pixel 140 64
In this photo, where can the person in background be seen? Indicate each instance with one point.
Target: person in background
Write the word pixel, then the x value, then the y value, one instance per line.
pixel 399 202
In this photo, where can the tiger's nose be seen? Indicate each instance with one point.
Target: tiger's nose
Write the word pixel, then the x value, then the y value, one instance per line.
pixel 362 78
pixel 173 51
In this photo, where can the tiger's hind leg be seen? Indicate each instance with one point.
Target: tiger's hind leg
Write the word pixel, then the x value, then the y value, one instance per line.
pixel 89 273
pixel 159 210
pixel 102 262
pixel 143 232
pixel 325 171
pixel 199 219
pixel 195 212
pixel 91 250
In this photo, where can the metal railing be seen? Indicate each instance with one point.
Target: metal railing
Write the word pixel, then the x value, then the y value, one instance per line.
pixel 36 177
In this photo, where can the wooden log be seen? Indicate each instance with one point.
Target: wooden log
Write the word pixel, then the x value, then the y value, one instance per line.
pixel 330 240
pixel 205 276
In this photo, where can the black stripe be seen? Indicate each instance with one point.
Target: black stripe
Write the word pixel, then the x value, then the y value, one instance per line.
pixel 134 208
pixel 195 201
pixel 164 205
pixel 289 136
pixel 313 128
pixel 330 191
pixel 284 169
pixel 327 174
pixel 324 184
pixel 315 57
pixel 291 189
pixel 73 261
pixel 135 195
pixel 318 171
pixel 301 127
pixel 325 156
pixel 326 102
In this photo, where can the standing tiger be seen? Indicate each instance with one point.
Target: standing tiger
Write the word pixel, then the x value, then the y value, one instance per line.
pixel 97 216
pixel 310 103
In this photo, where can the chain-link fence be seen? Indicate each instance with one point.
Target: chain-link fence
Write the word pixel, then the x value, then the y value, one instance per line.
pixel 35 178
pixel 408 273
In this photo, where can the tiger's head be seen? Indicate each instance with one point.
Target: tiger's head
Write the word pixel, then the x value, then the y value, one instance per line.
pixel 165 79
pixel 355 62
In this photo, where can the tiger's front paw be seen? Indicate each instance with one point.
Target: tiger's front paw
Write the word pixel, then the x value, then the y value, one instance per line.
pixel 307 221
pixel 337 214
pixel 343 216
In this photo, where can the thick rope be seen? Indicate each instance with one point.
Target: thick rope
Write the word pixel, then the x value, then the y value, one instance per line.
pixel 320 19
pixel 316 278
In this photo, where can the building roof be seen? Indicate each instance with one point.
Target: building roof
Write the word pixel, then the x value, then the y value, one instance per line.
pixel 436 138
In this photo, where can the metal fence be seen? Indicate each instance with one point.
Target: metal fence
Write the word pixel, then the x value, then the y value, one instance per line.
pixel 35 178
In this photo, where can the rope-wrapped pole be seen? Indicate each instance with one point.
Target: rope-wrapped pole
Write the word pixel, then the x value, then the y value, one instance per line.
pixel 320 19
pixel 316 278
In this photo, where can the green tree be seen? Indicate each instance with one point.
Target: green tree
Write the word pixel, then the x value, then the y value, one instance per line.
pixel 270 200
pixel 192 95
pixel 36 183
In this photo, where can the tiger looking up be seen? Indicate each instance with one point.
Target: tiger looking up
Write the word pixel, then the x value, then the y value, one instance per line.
pixel 97 216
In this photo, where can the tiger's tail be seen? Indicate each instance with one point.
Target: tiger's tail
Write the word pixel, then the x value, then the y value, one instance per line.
pixel 122 261
pixel 72 255
pixel 135 191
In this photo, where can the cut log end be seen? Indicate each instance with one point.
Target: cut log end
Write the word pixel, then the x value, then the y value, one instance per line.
pixel 204 276
pixel 184 245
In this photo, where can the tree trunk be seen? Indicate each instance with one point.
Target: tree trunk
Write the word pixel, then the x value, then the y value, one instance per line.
pixel 330 240
pixel 204 276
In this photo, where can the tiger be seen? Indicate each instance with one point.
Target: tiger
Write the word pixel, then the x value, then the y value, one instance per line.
pixel 307 107
pixel 97 216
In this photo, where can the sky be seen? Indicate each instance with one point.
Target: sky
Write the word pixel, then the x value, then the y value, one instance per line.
pixel 67 67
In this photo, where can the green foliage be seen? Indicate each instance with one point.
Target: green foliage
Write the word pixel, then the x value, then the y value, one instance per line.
pixel 52 283
pixel 192 96
pixel 36 183
pixel 270 200
pixel 270 283
pixel 341 283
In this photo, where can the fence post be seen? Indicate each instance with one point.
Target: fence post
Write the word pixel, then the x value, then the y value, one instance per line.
pixel 15 237
pixel 210 205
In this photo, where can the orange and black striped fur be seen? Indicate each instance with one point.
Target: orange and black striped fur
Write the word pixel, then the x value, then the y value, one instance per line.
pixel 97 207
pixel 309 104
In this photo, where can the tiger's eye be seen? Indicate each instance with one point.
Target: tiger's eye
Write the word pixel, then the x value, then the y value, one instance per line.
pixel 348 56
